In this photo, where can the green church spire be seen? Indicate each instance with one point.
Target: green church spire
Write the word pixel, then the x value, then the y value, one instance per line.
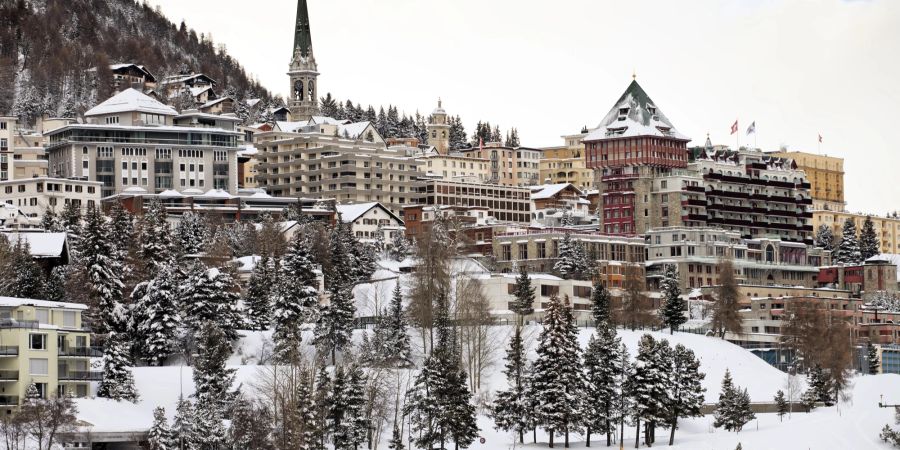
pixel 302 35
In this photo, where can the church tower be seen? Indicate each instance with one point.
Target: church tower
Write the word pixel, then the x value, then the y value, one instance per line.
pixel 439 130
pixel 303 101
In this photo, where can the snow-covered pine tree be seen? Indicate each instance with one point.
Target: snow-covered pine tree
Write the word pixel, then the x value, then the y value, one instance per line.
pixel 121 223
pixel 557 381
pixel 396 442
pixel 808 399
pixel 603 379
pixel 159 318
pixel 523 305
pixel 649 384
pixel 462 421
pixel 781 404
pixel 260 293
pixel 745 413
pixel 390 342
pixel 356 421
pixel 600 308
pixel 848 251
pixel 117 382
pixel 335 322
pixel 338 406
pixel 20 276
pixel 251 426
pixel 210 295
pixel 868 240
pixel 154 237
pixel 160 437
pixel 56 283
pixel 511 410
pixel 583 262
pixel 192 233
pixel 872 360
pixel 339 270
pixel 733 409
pixel 212 380
pixel 296 298
pixel 104 271
pixel 71 222
pixel 824 237
pixel 686 391
pixel 820 384
pixel 183 432
pixel 50 222
pixel 399 247
pixel 209 425
pixel 315 434
pixel 567 265
pixel 671 314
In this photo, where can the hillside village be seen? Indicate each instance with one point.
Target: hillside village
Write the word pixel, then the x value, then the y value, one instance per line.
pixel 184 267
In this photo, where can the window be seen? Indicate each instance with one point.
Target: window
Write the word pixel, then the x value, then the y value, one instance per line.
pixel 38 366
pixel 42 315
pixel 69 319
pixel 37 341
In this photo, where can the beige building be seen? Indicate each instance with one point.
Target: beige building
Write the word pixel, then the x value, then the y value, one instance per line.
pixel 368 220
pixel 826 177
pixel 500 289
pixel 886 228
pixel 509 166
pixel 36 196
pixel 22 152
pixel 455 166
pixel 566 164
pixel 44 343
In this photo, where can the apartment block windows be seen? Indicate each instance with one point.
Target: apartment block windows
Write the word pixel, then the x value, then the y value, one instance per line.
pixel 37 341
pixel 38 366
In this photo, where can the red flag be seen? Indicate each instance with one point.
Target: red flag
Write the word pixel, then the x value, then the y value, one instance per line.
pixel 734 127
pixel 820 138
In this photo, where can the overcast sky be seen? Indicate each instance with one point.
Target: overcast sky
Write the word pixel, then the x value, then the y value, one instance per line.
pixel 797 68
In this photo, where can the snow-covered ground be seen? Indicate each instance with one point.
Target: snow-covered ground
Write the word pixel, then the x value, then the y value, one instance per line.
pixel 855 425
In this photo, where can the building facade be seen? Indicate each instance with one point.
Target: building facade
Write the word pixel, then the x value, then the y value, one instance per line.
pixel 509 166
pixel 503 203
pixel 566 164
pixel 303 71
pixel 826 177
pixel 132 140
pixel 35 196
pixel 439 130
pixel 44 343
pixel 886 228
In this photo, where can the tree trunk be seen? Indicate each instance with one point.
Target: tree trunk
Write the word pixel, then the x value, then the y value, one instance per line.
pixel 588 441
pixel 672 434
pixel 534 436
pixel 567 437
pixel 551 437
pixel 608 431
pixel 637 432
pixel 521 436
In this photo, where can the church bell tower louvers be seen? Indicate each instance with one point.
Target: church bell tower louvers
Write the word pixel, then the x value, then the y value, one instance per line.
pixel 303 102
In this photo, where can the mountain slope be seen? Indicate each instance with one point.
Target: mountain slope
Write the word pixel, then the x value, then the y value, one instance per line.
pixel 47 47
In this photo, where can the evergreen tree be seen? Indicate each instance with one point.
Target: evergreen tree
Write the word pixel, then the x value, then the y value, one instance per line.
pixel 457 134
pixel 154 237
pixel 649 384
pixel 183 432
pixel 346 416
pixel 672 312
pixel 868 240
pixel 210 295
pixel 824 237
pixel 567 264
pixel 156 309
pixel 686 392
pixel 335 322
pixel 820 385
pixel 56 284
pixel 212 380
pixel 260 292
pixel 396 442
pixel 328 106
pixel 117 382
pixel 192 233
pixel 874 364
pixel 600 308
pixel 51 223
pixel 512 138
pixel 315 433
pixel 848 251
pixel 296 297
pixel 160 436
pixel 399 247
pixel 121 224
pixel 103 272
pixel 733 409
pixel 20 276
pixel 523 305
pixel 557 381
pixel 390 343
pixel 511 410
pixel 603 380
pixel 71 222
pixel 782 404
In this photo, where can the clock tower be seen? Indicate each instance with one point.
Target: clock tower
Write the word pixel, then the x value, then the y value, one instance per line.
pixel 303 102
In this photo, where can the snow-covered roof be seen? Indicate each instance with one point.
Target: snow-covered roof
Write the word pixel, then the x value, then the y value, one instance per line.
pixel 354 130
pixel 131 100
pixel 349 213
pixel 196 113
pixel 169 193
pixel 288 127
pixel 41 245
pixel 14 302
pixel 891 258
pixel 252 102
pixel 195 91
pixel 634 114
pixel 324 120
pixel 216 193
pixel 248 150
pixel 215 102
pixel 549 190
pixel 246 264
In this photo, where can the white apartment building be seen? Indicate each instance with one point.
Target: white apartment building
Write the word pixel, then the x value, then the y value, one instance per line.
pixel 35 196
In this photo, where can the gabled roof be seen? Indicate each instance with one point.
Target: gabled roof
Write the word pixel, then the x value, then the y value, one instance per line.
pixel 355 130
pixel 349 213
pixel 188 77
pixel 138 67
pixel 195 91
pixel 212 103
pixel 635 114
pixel 545 191
pixel 323 120
pixel 131 100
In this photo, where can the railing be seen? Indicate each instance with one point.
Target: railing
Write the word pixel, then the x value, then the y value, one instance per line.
pixel 9 350
pixel 80 375
pixel 85 352
pixel 12 323
pixel 8 400
pixel 9 375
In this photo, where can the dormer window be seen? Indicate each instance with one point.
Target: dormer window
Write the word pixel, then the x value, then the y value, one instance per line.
pixel 652 109
pixel 623 112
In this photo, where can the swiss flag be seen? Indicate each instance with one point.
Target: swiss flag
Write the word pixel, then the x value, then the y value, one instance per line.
pixel 734 127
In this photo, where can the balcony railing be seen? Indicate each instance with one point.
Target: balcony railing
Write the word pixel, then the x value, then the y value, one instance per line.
pixel 74 375
pixel 9 375
pixel 9 350
pixel 9 400
pixel 12 323
pixel 80 352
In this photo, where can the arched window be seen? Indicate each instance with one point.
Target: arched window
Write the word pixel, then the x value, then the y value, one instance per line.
pixel 298 90
pixel 312 90
pixel 770 254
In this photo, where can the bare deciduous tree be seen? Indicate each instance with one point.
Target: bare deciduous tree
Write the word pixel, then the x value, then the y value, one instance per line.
pixel 474 322
pixel 636 310
pixel 726 317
